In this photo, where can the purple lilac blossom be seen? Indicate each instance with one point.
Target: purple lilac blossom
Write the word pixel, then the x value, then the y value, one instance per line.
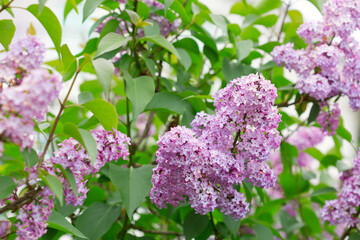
pixel 330 64
pixel 344 209
pixel 33 216
pixel 22 103
pixel 202 164
pixel 111 145
pixel 26 90
pixel 329 118
pixel 303 138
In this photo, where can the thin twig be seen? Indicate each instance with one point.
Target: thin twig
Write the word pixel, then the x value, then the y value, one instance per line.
pixel 5 6
pixel 27 198
pixel 62 107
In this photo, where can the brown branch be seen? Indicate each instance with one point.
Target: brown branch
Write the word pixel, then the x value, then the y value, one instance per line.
pixel 62 107
pixel 27 198
pixel 5 6
pixel 156 231
pixel 283 20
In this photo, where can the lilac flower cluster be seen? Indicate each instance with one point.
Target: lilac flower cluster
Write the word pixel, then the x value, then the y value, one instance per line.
pixel 330 64
pixel 111 145
pixel 303 138
pixel 33 216
pixel 329 118
pixel 26 92
pixel 203 164
pixel 344 209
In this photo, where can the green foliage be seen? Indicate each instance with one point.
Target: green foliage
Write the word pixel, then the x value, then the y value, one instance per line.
pixel 50 22
pixel 131 72
pixel 133 184
pixel 7 30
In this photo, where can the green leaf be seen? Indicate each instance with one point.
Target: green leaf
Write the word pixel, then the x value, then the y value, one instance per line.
pixel 59 222
pixel 50 22
pixel 161 41
pixel 264 6
pixel 89 8
pixel 84 137
pixel 220 21
pixel 97 220
pixel 267 21
pixel 104 112
pixel 345 134
pixel 315 153
pixel 312 221
pixel 31 158
pixel 7 186
pixel 67 57
pixel 74 5
pixel 242 9
pixel 168 101
pixel 318 4
pixel 69 177
pixel 232 70
pixel 232 224
pixel 322 191
pixel 7 31
pixel 354 236
pixel 133 184
pixel 243 49
pixel 168 3
pixel 289 223
pixel 315 110
pixel 41 5
pixel 263 233
pixel 85 97
pixel 194 224
pixel 140 91
pixel 134 17
pixel 185 58
pixel 110 42
pixel 104 71
pixel 54 183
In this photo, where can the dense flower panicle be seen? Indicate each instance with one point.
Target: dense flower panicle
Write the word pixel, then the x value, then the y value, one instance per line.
pixel 316 86
pixel 248 102
pixel 216 131
pixel 25 55
pixel 260 174
pixel 202 165
pixel 111 145
pixel 344 209
pixel 33 216
pixel 26 91
pixel 186 167
pixel 21 103
pixel 329 118
pixel 330 64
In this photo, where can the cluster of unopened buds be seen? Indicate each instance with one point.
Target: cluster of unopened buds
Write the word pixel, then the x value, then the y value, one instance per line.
pixel 203 164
